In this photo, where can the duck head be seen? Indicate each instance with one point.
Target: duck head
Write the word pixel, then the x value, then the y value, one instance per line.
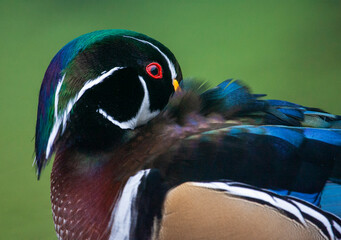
pixel 99 86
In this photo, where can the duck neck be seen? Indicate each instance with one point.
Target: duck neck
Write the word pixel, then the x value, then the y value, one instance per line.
pixel 83 194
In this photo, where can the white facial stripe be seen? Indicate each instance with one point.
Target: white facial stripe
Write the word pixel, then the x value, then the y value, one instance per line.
pixel 62 118
pixel 143 115
pixel 89 84
pixel 170 64
pixel 123 217
pixel 52 136
pixel 56 98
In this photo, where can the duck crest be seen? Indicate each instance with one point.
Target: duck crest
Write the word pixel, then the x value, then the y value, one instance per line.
pixel 53 82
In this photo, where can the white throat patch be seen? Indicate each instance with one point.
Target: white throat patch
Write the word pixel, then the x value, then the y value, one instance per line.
pixel 143 115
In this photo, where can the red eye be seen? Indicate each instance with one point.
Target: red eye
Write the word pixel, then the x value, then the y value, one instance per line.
pixel 154 70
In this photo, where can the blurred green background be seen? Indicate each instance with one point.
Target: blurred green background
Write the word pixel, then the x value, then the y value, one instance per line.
pixel 290 50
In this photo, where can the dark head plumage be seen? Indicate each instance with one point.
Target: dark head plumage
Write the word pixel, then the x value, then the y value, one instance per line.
pixel 101 71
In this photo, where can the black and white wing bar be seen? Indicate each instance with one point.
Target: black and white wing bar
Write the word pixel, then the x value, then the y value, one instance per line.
pixel 294 208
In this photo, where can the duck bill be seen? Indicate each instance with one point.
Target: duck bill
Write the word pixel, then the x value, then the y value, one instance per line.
pixel 176 85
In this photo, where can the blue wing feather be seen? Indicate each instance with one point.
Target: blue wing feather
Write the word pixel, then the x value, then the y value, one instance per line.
pixel 229 97
pixel 331 198
pixel 288 148
pixel 232 97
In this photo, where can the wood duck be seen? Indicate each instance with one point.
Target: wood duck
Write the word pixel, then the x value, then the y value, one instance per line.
pixel 142 154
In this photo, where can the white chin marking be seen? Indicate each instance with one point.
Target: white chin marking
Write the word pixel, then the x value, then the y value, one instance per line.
pixel 170 64
pixel 124 125
pixel 143 115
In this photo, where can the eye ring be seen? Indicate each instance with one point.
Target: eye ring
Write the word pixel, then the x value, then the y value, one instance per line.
pixel 154 70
